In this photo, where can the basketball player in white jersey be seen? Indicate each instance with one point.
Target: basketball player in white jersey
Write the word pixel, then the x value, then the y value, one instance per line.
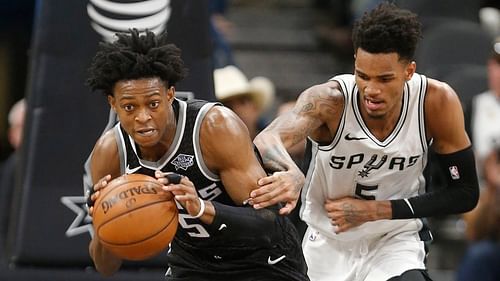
pixel 369 135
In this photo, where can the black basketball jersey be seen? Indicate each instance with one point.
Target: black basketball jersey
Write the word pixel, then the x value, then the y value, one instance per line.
pixel 195 252
pixel 183 157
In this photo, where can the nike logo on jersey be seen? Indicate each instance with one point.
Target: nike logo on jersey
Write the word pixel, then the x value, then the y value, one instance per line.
pixel 349 138
pixel 129 171
pixel 275 261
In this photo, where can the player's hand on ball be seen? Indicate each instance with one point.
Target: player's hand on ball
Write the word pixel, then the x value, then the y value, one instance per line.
pixel 95 192
pixel 183 190
pixel 133 217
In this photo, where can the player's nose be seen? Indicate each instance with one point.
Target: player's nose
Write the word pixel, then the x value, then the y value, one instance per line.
pixel 143 116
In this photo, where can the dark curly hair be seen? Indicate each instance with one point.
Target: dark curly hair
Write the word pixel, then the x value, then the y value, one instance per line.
pixel 388 29
pixel 135 56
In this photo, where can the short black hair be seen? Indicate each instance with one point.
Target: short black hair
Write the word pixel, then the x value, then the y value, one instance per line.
pixel 135 56
pixel 388 29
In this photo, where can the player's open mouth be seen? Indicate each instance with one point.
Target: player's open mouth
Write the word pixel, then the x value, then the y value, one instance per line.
pixel 372 104
pixel 146 132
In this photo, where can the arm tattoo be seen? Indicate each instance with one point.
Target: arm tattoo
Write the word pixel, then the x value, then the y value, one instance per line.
pixel 350 213
pixel 310 113
pixel 307 107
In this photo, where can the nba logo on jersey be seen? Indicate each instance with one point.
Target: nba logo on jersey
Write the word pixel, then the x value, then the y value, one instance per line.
pixel 454 172
pixel 183 161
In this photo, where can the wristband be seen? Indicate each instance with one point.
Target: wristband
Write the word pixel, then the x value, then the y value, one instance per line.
pixel 202 209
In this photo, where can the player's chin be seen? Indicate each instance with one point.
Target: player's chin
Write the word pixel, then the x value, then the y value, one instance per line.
pixel 376 114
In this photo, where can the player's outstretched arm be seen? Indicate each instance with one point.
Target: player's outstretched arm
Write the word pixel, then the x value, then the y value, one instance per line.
pixel 316 114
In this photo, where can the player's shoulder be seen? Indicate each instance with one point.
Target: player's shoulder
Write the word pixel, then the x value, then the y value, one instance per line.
pixel 219 115
pixel 222 121
pixel 439 93
pixel 328 91
pixel 440 97
pixel 321 100
pixel 223 136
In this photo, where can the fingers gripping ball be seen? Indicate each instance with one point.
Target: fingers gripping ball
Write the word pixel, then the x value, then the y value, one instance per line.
pixel 134 218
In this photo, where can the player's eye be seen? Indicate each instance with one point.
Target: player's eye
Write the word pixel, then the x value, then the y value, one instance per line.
pixel 155 104
pixel 128 107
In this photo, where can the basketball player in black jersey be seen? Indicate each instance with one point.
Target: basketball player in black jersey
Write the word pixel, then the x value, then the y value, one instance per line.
pixel 218 238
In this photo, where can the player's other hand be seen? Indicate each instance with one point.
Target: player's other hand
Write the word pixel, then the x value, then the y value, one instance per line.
pixel 347 212
pixel 96 191
pixel 279 187
pixel 183 190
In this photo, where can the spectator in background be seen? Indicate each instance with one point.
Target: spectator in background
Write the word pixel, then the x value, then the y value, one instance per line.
pixel 489 16
pixel 16 123
pixel 8 168
pixel 482 258
pixel 220 27
pixel 248 99
pixel 15 136
pixel 486 109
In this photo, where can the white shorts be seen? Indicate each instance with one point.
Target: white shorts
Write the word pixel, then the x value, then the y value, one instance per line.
pixel 373 259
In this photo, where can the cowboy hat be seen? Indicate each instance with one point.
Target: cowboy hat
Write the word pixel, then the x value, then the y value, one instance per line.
pixel 230 82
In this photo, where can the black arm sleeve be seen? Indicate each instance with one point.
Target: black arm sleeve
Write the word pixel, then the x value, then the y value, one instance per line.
pixel 246 225
pixel 460 195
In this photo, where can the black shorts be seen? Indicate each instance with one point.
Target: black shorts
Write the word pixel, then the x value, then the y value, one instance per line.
pixel 283 261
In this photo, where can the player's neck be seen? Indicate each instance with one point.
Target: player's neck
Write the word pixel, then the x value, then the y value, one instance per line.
pixel 382 126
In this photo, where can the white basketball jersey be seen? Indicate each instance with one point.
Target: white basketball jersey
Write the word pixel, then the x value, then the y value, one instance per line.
pixel 357 164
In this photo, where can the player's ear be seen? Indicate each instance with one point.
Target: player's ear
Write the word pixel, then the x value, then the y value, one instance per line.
pixel 171 93
pixel 410 70
pixel 111 101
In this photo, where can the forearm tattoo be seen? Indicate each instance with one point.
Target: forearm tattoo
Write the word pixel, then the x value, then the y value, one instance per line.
pixel 350 213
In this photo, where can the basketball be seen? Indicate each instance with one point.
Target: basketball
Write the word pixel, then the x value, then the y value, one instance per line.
pixel 134 218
